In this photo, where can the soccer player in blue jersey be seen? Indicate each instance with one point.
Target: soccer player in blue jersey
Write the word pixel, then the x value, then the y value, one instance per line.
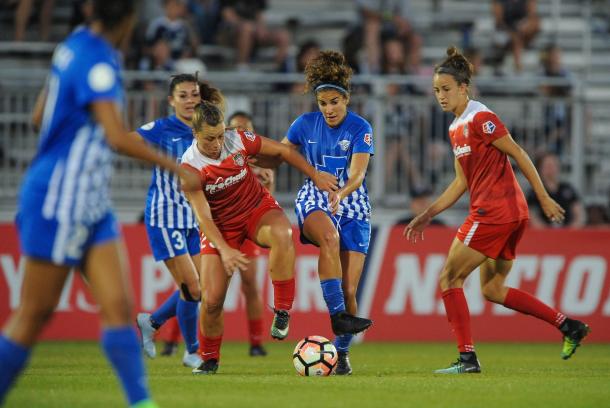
pixel 64 218
pixel 340 142
pixel 172 229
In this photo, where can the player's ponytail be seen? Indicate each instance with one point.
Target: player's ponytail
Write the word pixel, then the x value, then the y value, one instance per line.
pixel 206 113
pixel 113 12
pixel 457 66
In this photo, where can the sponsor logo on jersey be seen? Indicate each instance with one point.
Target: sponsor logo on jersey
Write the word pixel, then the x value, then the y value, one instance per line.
pixel 228 182
pixel 368 138
pixel 460 151
pixel 489 127
pixel 344 144
pixel 250 136
pixel 238 159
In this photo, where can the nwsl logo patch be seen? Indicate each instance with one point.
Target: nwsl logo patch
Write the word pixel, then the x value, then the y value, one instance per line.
pixel 489 127
pixel 368 138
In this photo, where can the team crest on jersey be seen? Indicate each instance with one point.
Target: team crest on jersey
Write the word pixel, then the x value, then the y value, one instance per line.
pixel 368 138
pixel 344 144
pixel 489 127
pixel 250 136
pixel 238 159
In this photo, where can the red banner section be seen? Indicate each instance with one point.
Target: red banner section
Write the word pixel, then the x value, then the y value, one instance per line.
pixel 565 268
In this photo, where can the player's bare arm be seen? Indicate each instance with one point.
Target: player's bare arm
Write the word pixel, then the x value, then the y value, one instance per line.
pixel 357 171
pixel 232 259
pixel 270 162
pixel 551 209
pixel 38 111
pixel 415 230
pixel 324 181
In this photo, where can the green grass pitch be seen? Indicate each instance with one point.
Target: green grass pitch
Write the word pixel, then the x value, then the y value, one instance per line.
pixel 385 375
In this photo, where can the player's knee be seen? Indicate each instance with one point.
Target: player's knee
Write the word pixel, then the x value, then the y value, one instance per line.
pixel 282 237
pixel 492 293
pixel 329 242
pixel 213 308
pixel 450 278
pixel 117 310
pixel 248 288
pixel 191 292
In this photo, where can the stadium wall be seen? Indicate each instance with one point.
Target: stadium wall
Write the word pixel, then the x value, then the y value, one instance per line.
pixel 567 269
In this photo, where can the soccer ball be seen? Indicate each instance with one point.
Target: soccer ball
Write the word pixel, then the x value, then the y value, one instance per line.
pixel 315 355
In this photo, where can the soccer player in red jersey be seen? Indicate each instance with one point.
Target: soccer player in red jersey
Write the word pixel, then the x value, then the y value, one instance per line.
pixel 498 214
pixel 232 205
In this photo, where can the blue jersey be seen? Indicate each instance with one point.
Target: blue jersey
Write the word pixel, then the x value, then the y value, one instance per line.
pixel 70 174
pixel 331 149
pixel 166 205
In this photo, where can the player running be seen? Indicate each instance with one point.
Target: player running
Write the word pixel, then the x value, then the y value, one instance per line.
pixel 498 214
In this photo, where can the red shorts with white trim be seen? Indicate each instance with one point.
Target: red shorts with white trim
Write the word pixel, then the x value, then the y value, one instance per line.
pixel 496 241
pixel 236 236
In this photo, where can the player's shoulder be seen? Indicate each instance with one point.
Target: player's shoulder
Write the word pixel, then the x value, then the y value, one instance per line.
pixel 193 157
pixel 357 122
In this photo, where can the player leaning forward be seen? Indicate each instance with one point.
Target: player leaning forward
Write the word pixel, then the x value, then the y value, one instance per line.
pixel 232 206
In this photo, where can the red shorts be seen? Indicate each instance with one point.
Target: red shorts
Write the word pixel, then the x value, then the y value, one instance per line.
pixel 236 236
pixel 496 241
pixel 250 249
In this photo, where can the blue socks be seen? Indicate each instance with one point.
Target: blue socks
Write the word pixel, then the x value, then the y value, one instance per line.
pixel 166 311
pixel 12 360
pixel 122 348
pixel 333 295
pixel 342 342
pixel 186 312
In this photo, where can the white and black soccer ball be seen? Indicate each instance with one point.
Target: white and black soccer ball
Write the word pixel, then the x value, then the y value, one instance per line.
pixel 314 355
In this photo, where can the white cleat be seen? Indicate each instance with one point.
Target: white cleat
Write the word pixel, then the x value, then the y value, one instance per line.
pixel 147 333
pixel 192 360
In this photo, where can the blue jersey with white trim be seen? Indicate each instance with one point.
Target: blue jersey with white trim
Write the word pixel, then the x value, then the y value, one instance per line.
pixel 70 173
pixel 331 149
pixel 166 205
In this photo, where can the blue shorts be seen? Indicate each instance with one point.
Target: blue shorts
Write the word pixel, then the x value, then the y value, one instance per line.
pixel 167 243
pixel 62 243
pixel 354 234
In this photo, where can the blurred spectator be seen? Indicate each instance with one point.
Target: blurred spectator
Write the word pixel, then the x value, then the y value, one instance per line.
pixel 420 200
pixel 82 11
pixel 382 19
pixel 158 58
pixel 22 17
pixel 174 30
pixel 556 110
pixel 307 51
pixel 598 215
pixel 475 57
pixel 206 16
pixel 549 169
pixel 243 26
pixel 517 23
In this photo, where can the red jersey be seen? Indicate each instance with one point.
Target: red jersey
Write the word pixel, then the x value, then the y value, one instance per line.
pixel 495 195
pixel 229 185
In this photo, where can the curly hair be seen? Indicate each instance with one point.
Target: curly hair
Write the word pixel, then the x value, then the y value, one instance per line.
pixel 457 66
pixel 207 113
pixel 329 67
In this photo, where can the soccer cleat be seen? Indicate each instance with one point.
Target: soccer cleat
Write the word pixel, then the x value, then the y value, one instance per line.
pixel 147 332
pixel 257 351
pixel 279 327
pixel 343 365
pixel 145 404
pixel 169 349
pixel 207 367
pixel 460 367
pixel 191 360
pixel 345 323
pixel 573 337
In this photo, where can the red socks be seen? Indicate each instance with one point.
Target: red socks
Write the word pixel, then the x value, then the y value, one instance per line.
pixel 459 318
pixel 525 303
pixel 283 294
pixel 210 347
pixel 255 331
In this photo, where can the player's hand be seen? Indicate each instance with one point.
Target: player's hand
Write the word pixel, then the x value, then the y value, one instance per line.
pixel 325 181
pixel 415 230
pixel 233 260
pixel 552 210
pixel 189 180
pixel 334 199
pixel 265 176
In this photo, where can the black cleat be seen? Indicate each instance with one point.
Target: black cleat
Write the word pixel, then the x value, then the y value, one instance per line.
pixel 345 323
pixel 169 349
pixel 574 332
pixel 461 367
pixel 343 365
pixel 279 327
pixel 257 351
pixel 207 367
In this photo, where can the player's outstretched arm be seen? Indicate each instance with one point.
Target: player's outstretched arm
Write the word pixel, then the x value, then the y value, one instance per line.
pixel 232 259
pixel 324 181
pixel 357 171
pixel 551 209
pixel 38 111
pixel 107 114
pixel 270 162
pixel 415 230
